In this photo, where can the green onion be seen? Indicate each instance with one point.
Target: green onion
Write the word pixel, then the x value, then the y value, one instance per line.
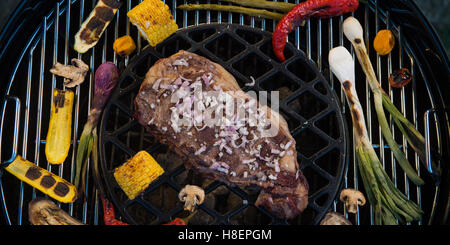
pixel 260 13
pixel 354 32
pixel 106 78
pixel 389 204
pixel 279 6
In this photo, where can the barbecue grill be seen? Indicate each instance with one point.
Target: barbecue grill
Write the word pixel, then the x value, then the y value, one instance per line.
pixel 40 33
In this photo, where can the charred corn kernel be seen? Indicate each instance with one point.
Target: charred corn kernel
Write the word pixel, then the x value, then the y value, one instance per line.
pixel 153 20
pixel 124 46
pixel 60 127
pixel 137 173
pixel 43 180
pixel 384 42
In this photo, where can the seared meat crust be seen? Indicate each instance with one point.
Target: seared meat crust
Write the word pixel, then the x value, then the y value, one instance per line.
pixel 239 155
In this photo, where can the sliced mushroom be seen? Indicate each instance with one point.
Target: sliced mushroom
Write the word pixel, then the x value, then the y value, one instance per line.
pixel 332 218
pixel 352 199
pixel 191 195
pixel 74 73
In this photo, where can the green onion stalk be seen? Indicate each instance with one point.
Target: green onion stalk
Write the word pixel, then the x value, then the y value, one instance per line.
pixel 106 78
pixel 264 4
pixel 354 33
pixel 259 13
pixel 389 203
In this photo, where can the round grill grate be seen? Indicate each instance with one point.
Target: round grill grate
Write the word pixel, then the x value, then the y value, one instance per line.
pixel 307 103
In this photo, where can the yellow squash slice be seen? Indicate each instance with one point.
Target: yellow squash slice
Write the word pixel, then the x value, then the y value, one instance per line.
pixel 43 180
pixel 60 127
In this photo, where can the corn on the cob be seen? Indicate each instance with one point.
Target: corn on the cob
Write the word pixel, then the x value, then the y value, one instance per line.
pixel 43 180
pixel 137 173
pixel 153 20
pixel 60 127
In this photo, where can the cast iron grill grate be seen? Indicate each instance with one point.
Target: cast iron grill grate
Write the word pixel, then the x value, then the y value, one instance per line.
pixel 300 103
pixel 27 103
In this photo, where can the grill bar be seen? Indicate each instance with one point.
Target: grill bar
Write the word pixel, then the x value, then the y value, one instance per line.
pixel 351 179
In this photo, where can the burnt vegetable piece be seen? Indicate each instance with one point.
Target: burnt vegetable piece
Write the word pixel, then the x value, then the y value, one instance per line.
pixel 60 127
pixel 400 78
pixel 93 27
pixel 304 11
pixel 106 78
pixel 46 212
pixel 388 202
pixel 43 180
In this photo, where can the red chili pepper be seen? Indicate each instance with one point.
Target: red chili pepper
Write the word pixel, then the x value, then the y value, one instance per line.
pixel 306 10
pixel 180 221
pixel 109 215
pixel 176 221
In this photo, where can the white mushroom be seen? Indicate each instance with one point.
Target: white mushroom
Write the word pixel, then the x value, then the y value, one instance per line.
pixel 352 199
pixel 332 218
pixel 74 74
pixel 191 195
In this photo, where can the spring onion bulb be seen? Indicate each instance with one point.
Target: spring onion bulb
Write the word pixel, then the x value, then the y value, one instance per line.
pixel 389 203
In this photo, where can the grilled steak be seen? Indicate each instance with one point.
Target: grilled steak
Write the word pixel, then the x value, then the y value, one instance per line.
pixel 234 149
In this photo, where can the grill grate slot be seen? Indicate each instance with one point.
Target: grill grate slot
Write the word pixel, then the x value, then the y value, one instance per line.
pixel 52 42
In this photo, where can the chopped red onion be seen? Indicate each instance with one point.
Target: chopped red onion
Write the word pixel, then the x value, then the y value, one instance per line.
pixel 156 84
pixel 246 161
pixel 178 81
pixel 180 62
pixel 151 121
pixel 223 170
pixel 224 165
pixel 288 144
pixel 199 151
pixel 206 79
pixel 215 166
pixel 275 151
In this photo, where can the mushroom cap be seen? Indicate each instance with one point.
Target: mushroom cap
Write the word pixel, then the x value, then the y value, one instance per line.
pixel 192 190
pixel 354 195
